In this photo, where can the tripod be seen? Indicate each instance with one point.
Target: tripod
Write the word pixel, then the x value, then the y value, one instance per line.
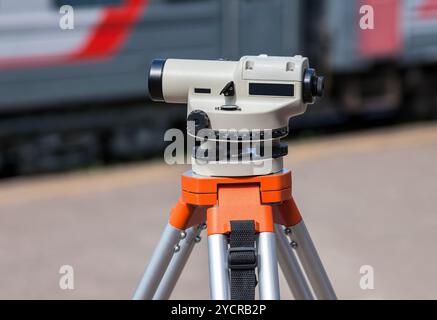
pixel 252 223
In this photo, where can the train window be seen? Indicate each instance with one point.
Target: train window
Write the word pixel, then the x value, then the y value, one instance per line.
pixel 87 3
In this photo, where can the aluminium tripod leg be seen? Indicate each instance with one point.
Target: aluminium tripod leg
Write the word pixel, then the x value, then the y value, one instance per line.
pixel 177 263
pixel 218 267
pixel 267 266
pixel 290 267
pixel 158 264
pixel 311 263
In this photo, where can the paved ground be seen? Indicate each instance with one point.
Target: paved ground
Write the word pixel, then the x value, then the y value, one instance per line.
pixel 368 199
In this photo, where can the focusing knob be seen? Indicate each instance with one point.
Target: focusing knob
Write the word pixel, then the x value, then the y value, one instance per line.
pixel 312 86
pixel 201 121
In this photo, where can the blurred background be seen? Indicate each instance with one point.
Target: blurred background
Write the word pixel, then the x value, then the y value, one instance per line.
pixel 77 99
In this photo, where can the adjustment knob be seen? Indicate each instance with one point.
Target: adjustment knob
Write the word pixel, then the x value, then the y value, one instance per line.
pixel 201 121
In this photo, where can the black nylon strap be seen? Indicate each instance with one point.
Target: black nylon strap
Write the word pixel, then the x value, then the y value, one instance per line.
pixel 242 260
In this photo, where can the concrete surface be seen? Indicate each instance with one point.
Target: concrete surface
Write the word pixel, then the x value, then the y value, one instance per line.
pixel 368 199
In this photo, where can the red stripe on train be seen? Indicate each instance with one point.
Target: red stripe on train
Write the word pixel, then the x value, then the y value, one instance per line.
pixel 112 33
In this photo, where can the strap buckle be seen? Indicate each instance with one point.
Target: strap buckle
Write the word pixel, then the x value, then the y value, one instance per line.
pixel 242 258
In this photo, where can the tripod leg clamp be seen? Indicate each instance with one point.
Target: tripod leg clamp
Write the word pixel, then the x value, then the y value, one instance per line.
pixel 242 260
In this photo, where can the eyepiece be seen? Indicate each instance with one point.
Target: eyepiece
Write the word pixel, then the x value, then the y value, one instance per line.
pixel 318 86
pixel 312 86
pixel 155 80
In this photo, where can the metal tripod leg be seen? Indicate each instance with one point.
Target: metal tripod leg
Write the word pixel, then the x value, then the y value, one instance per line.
pixel 311 263
pixel 267 266
pixel 291 268
pixel 218 267
pixel 177 263
pixel 158 264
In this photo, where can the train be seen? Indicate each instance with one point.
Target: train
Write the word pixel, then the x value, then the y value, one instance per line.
pixel 77 96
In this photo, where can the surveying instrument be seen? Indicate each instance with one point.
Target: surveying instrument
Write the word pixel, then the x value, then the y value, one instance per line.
pixel 238 189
